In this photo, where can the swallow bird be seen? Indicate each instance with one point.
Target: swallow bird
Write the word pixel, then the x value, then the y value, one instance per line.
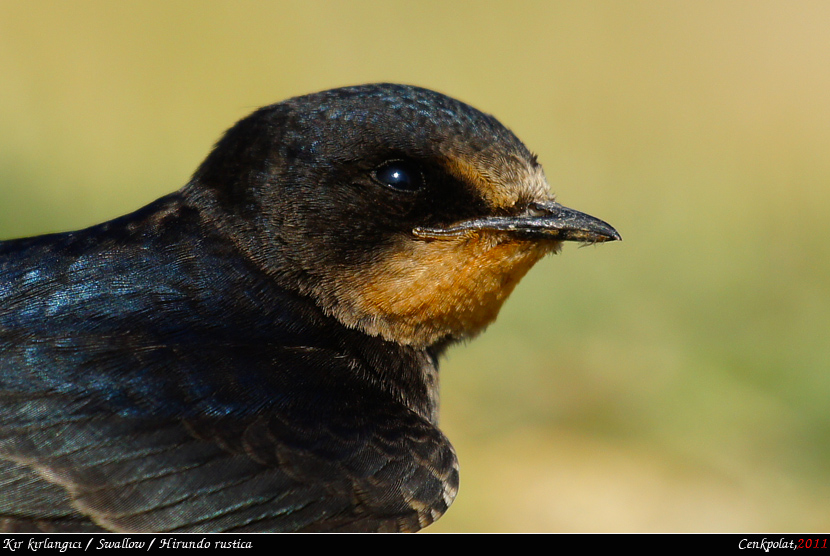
pixel 258 351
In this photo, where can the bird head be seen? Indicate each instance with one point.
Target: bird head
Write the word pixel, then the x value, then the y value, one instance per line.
pixel 401 212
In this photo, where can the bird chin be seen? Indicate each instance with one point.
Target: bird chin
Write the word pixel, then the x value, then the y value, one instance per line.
pixel 427 291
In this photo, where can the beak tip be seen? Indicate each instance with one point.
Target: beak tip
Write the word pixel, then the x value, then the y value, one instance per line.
pixel 600 232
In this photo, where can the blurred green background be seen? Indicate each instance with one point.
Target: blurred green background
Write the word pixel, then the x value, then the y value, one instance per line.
pixel 677 381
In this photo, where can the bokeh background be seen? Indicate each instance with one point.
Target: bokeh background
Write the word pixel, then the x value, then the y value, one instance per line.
pixel 677 381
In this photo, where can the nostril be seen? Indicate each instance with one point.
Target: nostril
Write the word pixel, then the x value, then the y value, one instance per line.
pixel 537 210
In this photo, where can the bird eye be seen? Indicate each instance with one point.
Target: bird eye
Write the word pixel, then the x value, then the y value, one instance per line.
pixel 399 175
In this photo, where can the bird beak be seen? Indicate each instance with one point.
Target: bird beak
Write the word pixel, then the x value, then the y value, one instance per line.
pixel 540 220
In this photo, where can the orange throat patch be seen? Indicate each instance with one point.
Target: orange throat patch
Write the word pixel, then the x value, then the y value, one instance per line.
pixel 429 290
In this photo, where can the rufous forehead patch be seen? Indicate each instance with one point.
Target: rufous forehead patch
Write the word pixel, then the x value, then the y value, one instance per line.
pixel 501 180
